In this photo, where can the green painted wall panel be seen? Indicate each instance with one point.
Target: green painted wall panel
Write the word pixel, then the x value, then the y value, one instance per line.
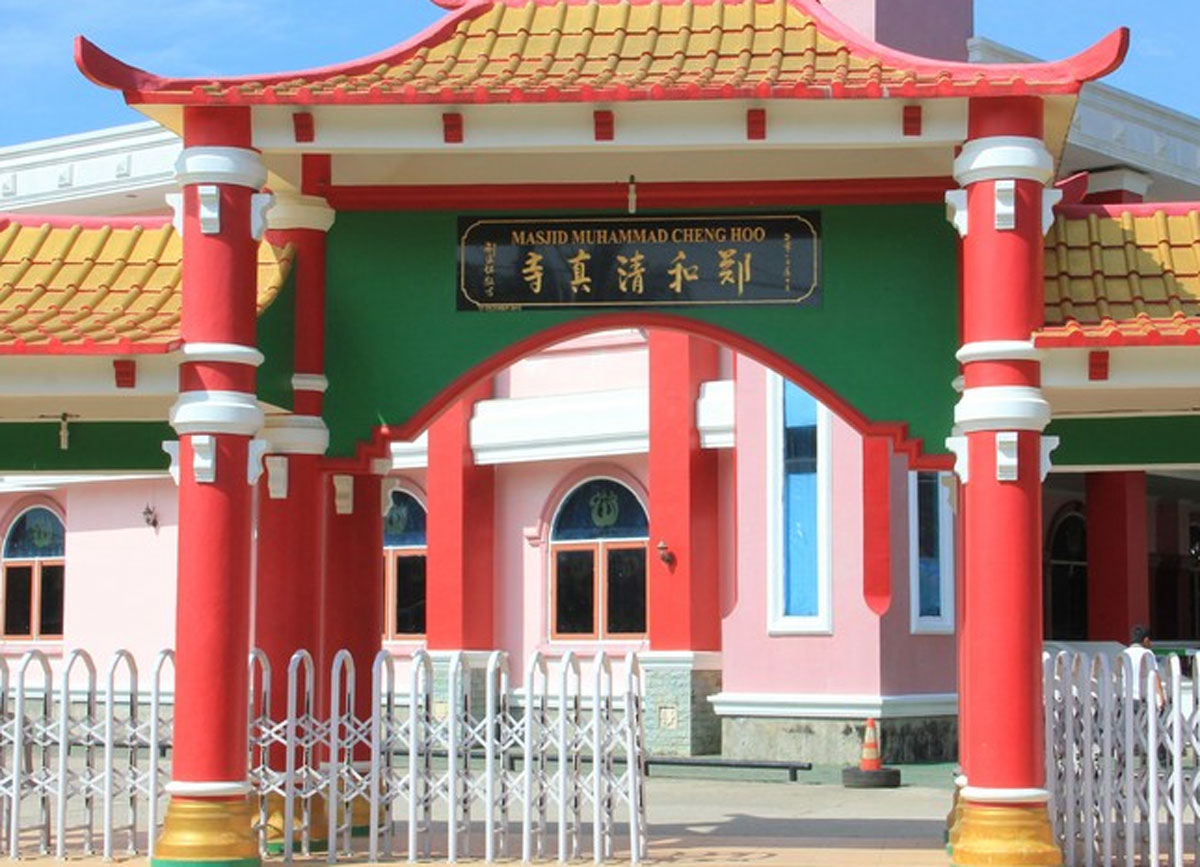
pixel 93 446
pixel 1120 441
pixel 883 338
pixel 276 339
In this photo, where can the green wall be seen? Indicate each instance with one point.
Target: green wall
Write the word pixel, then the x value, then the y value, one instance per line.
pixel 92 446
pixel 883 338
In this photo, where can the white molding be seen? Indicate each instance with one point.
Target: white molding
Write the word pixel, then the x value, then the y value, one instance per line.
pixel 296 434
pixel 1008 467
pixel 942 624
pixel 204 458
pixel 998 350
pixel 229 353
pixel 1004 208
pixel 410 454
pixel 958 445
pixel 171 447
pixel 216 412
pixel 1119 179
pixel 310 382
pixel 593 424
pixel 32 482
pixel 186 788
pixel 293 211
pixel 983 795
pixel 1049 444
pixel 208 208
pixel 175 203
pixel 260 203
pixel 1001 407
pixel 714 414
pixel 254 459
pixel 209 164
pixel 956 211
pixel 694 660
pixel 779 623
pixel 343 494
pixel 834 706
pixel 1003 157
pixel 277 476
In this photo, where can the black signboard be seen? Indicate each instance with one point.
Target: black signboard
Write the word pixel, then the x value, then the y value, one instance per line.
pixel 634 261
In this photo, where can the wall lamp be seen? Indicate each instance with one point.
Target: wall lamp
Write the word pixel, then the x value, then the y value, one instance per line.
pixel 665 554
pixel 150 516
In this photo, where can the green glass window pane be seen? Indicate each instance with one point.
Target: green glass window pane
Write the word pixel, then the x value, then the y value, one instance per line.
pixel 18 598
pixel 574 599
pixel 404 524
pixel 626 598
pixel 37 533
pixel 50 616
pixel 410 595
pixel 600 509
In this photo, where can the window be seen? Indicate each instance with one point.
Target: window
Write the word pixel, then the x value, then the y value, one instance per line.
pixel 33 576
pixel 931 552
pixel 798 507
pixel 404 566
pixel 1066 584
pixel 598 563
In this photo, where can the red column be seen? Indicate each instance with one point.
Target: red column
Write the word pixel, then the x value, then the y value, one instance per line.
pixel 353 592
pixel 683 590
pixel 460 584
pixel 1118 590
pixel 216 416
pixel 1004 167
pixel 290 556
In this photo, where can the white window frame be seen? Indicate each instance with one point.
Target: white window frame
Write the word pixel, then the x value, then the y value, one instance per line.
pixel 943 624
pixel 779 623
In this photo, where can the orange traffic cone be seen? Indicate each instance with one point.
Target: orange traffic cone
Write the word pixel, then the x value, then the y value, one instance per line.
pixel 870 773
pixel 870 760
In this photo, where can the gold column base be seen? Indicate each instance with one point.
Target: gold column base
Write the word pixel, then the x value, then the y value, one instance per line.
pixel 1003 835
pixel 208 830
pixel 318 825
pixel 954 820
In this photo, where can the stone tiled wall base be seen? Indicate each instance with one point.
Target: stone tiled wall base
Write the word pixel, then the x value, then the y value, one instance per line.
pixel 679 718
pixel 839 741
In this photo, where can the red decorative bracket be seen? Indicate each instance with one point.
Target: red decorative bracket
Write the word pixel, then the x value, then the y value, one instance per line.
pixel 912 120
pixel 125 372
pixel 302 126
pixel 603 120
pixel 756 124
pixel 1098 365
pixel 452 127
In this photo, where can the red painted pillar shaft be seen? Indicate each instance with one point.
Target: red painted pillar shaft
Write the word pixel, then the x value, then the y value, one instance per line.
pixel 215 417
pixel 460 533
pixel 877 523
pixel 353 597
pixel 1118 590
pixel 1004 168
pixel 290 561
pixel 683 593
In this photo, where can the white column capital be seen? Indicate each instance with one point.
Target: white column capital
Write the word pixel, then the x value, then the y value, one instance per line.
pixel 1004 157
pixel 208 164
pixel 294 211
pixel 229 353
pixel 1001 407
pixel 296 434
pixel 216 412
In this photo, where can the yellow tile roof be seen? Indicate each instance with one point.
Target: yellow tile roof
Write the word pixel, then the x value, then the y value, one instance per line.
pixel 70 284
pixel 1123 274
pixel 612 50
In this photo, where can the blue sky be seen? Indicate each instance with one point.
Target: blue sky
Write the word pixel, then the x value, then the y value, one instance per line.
pixel 43 95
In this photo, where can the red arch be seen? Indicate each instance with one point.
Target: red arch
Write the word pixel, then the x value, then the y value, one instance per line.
pixel 896 432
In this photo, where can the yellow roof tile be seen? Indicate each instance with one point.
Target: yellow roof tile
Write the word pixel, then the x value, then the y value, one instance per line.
pixel 67 284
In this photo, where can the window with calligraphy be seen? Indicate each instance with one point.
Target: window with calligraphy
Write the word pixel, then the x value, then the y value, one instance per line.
pixel 34 573
pixel 404 554
pixel 598 563
pixel 798 508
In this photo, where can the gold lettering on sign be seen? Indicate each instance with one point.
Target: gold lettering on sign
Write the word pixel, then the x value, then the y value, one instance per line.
pixel 579 276
pixel 681 273
pixel 631 273
pixel 734 272
pixel 534 272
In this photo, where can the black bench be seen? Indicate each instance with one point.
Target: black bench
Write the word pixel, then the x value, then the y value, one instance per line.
pixel 793 768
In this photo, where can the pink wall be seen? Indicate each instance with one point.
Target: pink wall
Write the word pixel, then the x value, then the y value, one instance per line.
pixel 846 661
pixel 594 362
pixel 121 572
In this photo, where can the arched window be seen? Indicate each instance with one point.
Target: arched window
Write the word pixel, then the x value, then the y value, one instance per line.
pixel 1066 578
pixel 404 566
pixel 33 575
pixel 598 563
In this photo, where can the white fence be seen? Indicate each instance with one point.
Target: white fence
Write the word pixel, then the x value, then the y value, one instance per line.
pixel 454 762
pixel 1121 759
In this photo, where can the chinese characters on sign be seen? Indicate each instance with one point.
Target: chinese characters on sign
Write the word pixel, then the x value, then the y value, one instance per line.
pixel 513 264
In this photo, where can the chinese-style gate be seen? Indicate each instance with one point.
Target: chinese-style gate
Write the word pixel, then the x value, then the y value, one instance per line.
pixel 396 145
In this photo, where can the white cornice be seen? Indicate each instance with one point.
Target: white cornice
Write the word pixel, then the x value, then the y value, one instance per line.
pixel 830 706
pixel 714 414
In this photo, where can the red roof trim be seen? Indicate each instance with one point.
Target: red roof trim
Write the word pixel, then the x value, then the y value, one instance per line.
pixel 1135 209
pixel 955 78
pixel 64 221
pixel 88 347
